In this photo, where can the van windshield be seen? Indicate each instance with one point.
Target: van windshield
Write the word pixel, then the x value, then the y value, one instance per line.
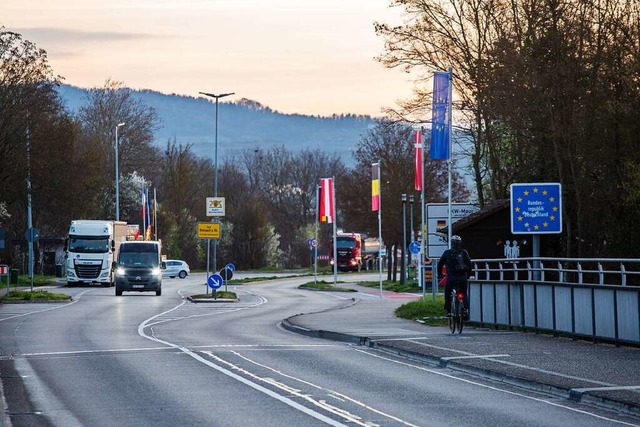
pixel 138 259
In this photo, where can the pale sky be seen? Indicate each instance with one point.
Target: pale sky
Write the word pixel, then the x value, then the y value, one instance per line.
pixel 295 56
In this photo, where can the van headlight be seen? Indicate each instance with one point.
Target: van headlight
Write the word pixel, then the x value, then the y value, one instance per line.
pixel 120 271
pixel 156 271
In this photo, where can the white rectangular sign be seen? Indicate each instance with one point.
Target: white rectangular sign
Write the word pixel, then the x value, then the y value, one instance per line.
pixel 215 206
pixel 437 217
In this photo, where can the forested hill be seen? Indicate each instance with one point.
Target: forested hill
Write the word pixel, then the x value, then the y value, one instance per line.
pixel 243 124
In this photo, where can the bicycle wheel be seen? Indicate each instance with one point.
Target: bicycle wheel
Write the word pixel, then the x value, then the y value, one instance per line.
pixel 452 323
pixel 460 316
pixel 452 316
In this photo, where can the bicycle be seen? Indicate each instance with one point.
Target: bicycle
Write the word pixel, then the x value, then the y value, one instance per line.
pixel 457 315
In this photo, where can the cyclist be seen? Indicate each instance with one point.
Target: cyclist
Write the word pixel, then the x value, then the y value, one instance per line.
pixel 458 264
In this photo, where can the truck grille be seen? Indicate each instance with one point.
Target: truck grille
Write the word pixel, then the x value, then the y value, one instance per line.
pixel 88 271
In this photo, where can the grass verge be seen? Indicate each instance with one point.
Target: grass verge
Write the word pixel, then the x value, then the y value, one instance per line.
pixel 430 311
pixel 39 295
pixel 392 286
pixel 322 285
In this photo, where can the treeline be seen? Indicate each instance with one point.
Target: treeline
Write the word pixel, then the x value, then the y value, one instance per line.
pixel 270 194
pixel 548 91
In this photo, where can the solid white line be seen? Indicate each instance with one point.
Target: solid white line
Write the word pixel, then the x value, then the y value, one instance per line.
pixel 332 393
pixel 72 352
pixel 443 374
pixel 622 387
pixel 258 387
pixel 264 390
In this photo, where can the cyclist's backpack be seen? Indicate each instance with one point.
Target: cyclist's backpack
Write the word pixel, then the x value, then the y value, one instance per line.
pixel 458 262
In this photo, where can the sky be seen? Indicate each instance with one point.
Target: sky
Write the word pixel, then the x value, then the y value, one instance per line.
pixel 311 57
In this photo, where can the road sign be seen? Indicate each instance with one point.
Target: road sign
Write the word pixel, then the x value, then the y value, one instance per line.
pixel 414 247
pixel 314 243
pixel 231 267
pixel 4 269
pixel 215 206
pixel 536 208
pixel 208 230
pixel 214 281
pixel 226 274
pixel 437 218
pixel 32 235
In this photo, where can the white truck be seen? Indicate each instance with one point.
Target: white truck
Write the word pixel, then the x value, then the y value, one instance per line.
pixel 92 247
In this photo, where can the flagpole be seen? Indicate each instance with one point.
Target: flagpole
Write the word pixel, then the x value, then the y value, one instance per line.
pixel 423 248
pixel 380 224
pixel 335 232
pixel 315 249
pixel 155 214
pixel 449 224
pixel 144 215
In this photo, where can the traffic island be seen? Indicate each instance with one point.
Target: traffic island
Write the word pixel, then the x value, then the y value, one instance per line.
pixel 216 296
pixel 37 296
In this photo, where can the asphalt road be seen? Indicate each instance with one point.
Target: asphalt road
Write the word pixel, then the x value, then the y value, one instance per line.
pixel 145 360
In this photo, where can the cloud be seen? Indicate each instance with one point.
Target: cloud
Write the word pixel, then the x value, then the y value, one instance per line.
pixel 58 35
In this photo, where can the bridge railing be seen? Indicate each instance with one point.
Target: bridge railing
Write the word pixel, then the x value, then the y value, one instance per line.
pixel 589 298
pixel 594 271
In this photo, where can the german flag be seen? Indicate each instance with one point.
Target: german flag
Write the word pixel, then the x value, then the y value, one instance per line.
pixel 375 186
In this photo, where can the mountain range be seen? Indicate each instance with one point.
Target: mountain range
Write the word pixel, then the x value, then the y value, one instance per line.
pixel 242 125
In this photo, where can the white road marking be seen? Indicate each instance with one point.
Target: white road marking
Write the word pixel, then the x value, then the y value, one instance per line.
pixel 444 374
pixel 76 298
pixel 476 356
pixel 518 365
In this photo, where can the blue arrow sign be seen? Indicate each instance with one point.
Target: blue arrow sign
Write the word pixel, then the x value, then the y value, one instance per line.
pixel 414 247
pixel 231 267
pixel 536 208
pixel 214 281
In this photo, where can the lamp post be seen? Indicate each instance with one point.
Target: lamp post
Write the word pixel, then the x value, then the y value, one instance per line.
pixel 117 176
pixel 215 161
pixel 412 237
pixel 403 267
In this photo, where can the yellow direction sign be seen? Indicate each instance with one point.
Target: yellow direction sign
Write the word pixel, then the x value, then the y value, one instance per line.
pixel 208 230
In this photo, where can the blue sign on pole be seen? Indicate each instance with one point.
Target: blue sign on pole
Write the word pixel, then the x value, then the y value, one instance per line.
pixel 536 208
pixel 231 267
pixel 414 247
pixel 214 281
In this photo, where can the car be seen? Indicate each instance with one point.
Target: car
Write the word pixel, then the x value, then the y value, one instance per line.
pixel 175 268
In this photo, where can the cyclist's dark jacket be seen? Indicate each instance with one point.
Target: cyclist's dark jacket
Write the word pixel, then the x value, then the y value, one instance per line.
pixel 448 259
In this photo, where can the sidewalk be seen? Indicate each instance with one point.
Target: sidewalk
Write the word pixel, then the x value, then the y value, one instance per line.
pixel 599 374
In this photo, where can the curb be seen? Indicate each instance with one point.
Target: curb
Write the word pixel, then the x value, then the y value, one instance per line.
pixel 569 394
pixel 212 300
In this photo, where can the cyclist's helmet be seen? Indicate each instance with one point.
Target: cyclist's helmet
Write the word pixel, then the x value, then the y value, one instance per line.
pixel 456 242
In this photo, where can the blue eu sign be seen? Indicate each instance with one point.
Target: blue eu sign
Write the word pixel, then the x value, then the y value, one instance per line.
pixel 536 208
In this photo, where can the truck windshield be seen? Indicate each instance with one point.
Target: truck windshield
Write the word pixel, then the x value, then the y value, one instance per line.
pixel 89 244
pixel 138 259
pixel 345 243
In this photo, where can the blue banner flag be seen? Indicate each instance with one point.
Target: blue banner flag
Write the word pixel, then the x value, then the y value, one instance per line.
pixel 440 147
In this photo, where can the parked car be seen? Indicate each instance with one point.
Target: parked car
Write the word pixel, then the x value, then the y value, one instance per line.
pixel 175 268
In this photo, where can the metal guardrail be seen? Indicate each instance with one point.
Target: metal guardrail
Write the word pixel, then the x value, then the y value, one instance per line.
pixel 594 271
pixel 581 297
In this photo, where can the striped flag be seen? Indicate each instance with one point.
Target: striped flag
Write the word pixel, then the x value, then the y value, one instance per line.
pixel 418 160
pixel 375 186
pixel 326 200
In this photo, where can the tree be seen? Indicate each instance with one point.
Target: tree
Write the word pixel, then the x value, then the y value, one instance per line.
pixel 391 144
pixel 107 107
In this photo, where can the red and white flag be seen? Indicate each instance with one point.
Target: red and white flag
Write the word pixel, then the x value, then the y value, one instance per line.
pixel 418 160
pixel 326 200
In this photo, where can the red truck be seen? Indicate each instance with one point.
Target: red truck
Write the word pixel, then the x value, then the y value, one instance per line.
pixel 349 248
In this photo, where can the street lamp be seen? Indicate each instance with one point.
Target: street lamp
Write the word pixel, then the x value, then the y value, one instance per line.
pixel 403 268
pixel 117 176
pixel 215 160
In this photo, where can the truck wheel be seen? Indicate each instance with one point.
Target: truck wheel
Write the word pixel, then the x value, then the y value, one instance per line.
pixel 159 292
pixel 118 292
pixel 182 274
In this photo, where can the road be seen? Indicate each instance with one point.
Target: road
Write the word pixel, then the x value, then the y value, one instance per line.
pixel 143 360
